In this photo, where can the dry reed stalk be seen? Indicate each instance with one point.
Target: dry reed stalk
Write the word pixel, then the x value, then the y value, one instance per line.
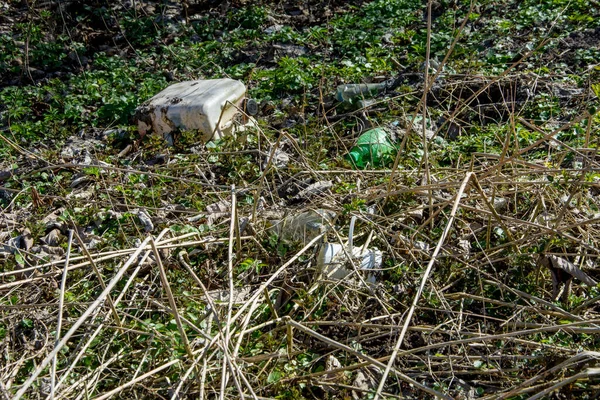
pixel 213 313
pixel 428 84
pixel 86 263
pixel 169 293
pixel 369 360
pixel 89 379
pixel 61 301
pixel 266 284
pixel 81 320
pixel 138 379
pixel 98 275
pixel 227 338
pixel 194 367
pixel 422 286
pixel 588 373
pixel 109 255
pixel 576 359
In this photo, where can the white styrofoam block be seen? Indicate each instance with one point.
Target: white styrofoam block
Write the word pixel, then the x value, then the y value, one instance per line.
pixel 206 105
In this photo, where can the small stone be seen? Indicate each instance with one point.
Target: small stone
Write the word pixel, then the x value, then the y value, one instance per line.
pixel 500 204
pixel 145 220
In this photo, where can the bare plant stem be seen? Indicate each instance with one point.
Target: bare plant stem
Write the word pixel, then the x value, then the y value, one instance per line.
pixel 61 301
pixel 81 320
pixel 428 270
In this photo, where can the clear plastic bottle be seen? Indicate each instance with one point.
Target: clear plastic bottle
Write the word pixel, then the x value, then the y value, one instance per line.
pixel 356 91
pixel 374 148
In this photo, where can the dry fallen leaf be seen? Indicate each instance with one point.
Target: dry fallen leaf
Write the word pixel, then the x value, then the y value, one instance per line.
pixel 563 271
pixel 554 262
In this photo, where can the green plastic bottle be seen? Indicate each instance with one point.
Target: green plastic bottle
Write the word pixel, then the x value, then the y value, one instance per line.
pixel 373 148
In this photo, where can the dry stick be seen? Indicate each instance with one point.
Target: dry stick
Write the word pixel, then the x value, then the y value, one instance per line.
pixel 125 170
pixel 224 371
pixel 21 150
pixel 583 356
pixel 169 293
pixel 16 366
pixel 239 344
pixel 465 341
pixel 422 286
pixel 187 373
pixel 192 326
pixel 364 390
pixel 519 307
pixel 260 290
pixel 360 355
pixel 563 313
pixel 76 266
pixel 204 362
pixel 135 272
pixel 501 336
pixel 545 229
pixel 91 377
pixel 136 380
pixel 81 320
pixel 138 268
pixel 61 301
pixel 524 390
pixel 585 374
pixel 226 355
pixel 425 158
pixel 119 298
pixel 4 392
pixel 546 137
pixel 90 380
pixel 585 305
pixel 231 365
pixel 221 336
pixel 264 174
pixel 204 359
pixel 109 255
pixel 428 86
pixel 290 341
pixel 494 213
pixel 495 80
pixel 587 132
pixel 536 128
pixel 243 327
pixel 270 304
pixel 99 276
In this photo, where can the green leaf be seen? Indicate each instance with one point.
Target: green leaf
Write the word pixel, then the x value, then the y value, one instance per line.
pixel 274 376
pixel 19 259
pixel 596 89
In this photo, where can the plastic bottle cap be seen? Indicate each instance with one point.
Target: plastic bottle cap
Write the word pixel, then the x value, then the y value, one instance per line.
pixel 251 107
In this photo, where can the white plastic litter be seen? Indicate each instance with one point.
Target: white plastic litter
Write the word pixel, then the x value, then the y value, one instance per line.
pixel 332 259
pixel 206 105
